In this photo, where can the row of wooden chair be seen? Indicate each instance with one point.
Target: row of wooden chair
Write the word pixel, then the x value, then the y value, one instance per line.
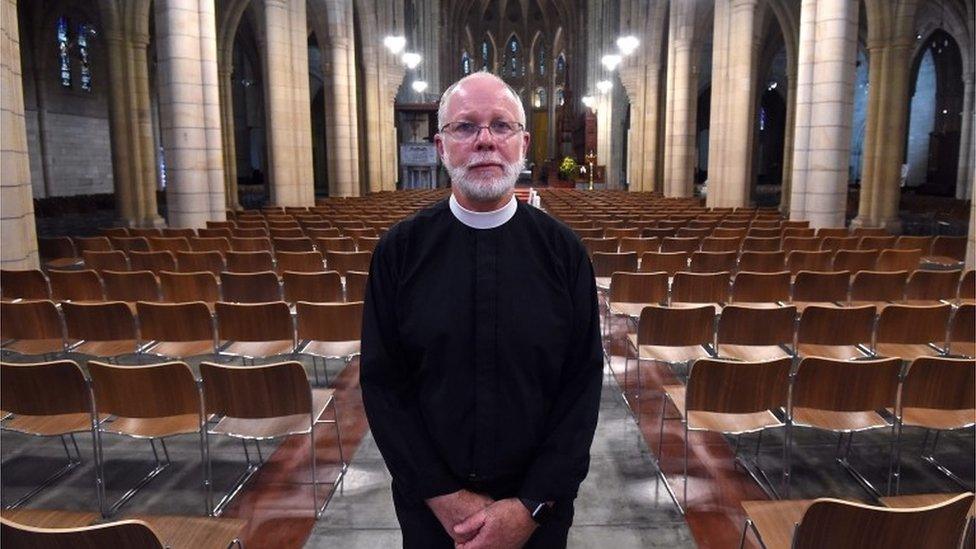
pixel 155 402
pixel 234 261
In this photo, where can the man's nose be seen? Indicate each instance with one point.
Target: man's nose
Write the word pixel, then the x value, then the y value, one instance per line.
pixel 484 141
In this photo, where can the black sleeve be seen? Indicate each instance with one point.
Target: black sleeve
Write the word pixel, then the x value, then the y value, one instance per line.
pixel 388 396
pixel 563 458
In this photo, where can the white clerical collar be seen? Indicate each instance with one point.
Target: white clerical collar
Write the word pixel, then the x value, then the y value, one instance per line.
pixel 483 220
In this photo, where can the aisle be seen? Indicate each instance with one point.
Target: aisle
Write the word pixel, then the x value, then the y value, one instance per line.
pixel 621 502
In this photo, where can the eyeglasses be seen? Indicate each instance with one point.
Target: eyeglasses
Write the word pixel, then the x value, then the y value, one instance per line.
pixel 465 131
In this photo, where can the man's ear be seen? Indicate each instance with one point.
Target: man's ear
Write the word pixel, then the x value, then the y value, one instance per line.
pixel 526 140
pixel 439 145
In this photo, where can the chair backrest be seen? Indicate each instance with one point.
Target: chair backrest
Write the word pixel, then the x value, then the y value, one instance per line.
pixel 605 245
pixel 249 231
pixel 680 244
pixel 131 286
pixel 144 391
pixel 76 285
pixel 761 244
pixel 113 231
pixel 367 243
pixel 256 392
pixel 210 244
pixel 269 321
pixel 878 286
pixel 836 325
pixel 847 525
pixel 145 232
pixel 44 389
pixel 182 287
pixel 249 244
pixel 318 287
pixel 700 287
pixel 220 224
pixel 297 244
pixel 753 287
pixel 867 384
pixel 932 285
pixel 713 262
pixel 696 232
pixel 169 244
pixel 348 261
pixel 280 231
pixel 123 533
pixel 763 232
pixel 729 232
pixel 762 262
pixel 112 260
pixel 330 321
pixel 876 242
pixel 914 324
pixel 869 231
pixel 93 243
pixel 967 285
pixel 658 232
pixel 805 233
pixel 962 327
pixel 639 287
pixel 152 261
pixel 215 232
pixel 744 325
pixel 108 321
pixel 322 232
pixel 249 262
pixel 189 321
pixel 24 284
pixel 949 246
pixel 194 262
pixel 906 242
pixel 676 327
pixel 56 247
pixel 735 387
pixel 669 262
pixel 855 260
pixel 898 260
pixel 184 232
pixel 335 244
pixel 302 262
pixel 825 232
pixel 812 286
pixel 256 287
pixel 130 243
pixel 805 260
pixel 30 320
pixel 721 244
pixel 940 383
pixel 622 232
pixel 801 243
pixel 356 285
pixel 834 243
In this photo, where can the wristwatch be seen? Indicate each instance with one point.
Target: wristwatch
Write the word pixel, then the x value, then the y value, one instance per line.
pixel 538 510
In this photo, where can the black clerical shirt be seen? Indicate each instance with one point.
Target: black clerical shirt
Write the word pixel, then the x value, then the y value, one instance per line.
pixel 481 354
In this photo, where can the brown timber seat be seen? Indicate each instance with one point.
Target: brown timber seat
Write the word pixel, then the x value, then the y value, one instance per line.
pixel 76 285
pixel 878 288
pixel 156 261
pixel 131 286
pixel 259 287
pixel 31 327
pixel 694 289
pixel 181 287
pixel 926 287
pixel 108 329
pixel 962 331
pixel 754 334
pixel 24 284
pixel 194 262
pixel 329 330
pixel 356 285
pixel 302 262
pixel 112 260
pixel 713 262
pixel 348 261
pixel 834 332
pixel 317 287
pixel 256 330
pixel 668 262
pixel 178 330
pixel 912 331
pixel 767 288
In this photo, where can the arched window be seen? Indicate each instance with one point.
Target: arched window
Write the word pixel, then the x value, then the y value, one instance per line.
pixel 486 55
pixel 559 97
pixel 465 63
pixel 542 59
pixel 83 33
pixel 560 65
pixel 513 58
pixel 64 60
pixel 539 100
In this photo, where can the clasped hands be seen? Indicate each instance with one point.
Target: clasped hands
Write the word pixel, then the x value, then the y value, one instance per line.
pixel 475 521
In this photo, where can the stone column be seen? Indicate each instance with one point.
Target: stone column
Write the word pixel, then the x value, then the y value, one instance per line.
pixel 827 56
pixel 341 125
pixel 681 110
pixel 224 74
pixel 966 171
pixel 190 111
pixel 19 249
pixel 288 104
pixel 971 246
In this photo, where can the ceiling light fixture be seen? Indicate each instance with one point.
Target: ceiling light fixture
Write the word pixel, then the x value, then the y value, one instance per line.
pixel 610 61
pixel 395 43
pixel 411 59
pixel 627 44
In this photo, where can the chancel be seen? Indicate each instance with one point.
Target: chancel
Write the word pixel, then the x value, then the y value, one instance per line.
pixel 616 273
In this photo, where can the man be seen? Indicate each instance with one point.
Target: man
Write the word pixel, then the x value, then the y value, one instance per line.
pixel 481 354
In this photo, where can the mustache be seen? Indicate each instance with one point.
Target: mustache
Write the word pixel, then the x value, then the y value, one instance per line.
pixel 484 159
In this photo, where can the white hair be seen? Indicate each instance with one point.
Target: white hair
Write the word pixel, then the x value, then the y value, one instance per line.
pixel 446 97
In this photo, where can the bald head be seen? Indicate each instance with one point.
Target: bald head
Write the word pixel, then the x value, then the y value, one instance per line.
pixel 480 80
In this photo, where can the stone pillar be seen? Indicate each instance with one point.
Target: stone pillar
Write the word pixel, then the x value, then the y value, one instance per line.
pixel 19 249
pixel 226 90
pixel 971 246
pixel 733 107
pixel 341 125
pixel 884 140
pixel 825 87
pixel 288 104
pixel 965 172
pixel 190 111
pixel 681 111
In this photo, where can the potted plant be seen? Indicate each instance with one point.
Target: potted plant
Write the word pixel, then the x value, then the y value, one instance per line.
pixel 568 168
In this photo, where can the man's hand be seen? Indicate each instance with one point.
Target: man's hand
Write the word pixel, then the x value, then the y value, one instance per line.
pixel 451 509
pixel 503 524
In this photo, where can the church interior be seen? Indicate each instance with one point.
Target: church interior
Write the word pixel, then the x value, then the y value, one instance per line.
pixel 776 197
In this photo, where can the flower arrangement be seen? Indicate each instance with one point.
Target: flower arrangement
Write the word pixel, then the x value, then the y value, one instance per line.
pixel 568 168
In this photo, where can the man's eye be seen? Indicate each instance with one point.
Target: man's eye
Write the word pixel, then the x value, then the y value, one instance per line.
pixel 501 127
pixel 465 127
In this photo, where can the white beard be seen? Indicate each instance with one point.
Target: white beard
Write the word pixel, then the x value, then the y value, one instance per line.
pixel 484 188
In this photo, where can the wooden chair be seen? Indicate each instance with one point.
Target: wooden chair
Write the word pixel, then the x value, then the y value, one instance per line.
pixel 249 262
pixel 931 287
pixel 145 232
pixel 47 399
pixel 216 232
pixel 257 244
pixel 367 243
pixel 244 233
pixel 336 244
pixel 835 243
pixel 800 233
pixel 151 402
pixel 329 330
pixel 921 243
pixel 870 231
pixel 760 287
pixel 93 244
pixel 604 245
pixel 76 285
pixel 947 250
pixel 622 232
pixel 356 285
pixel 876 242
pixel 721 244
pixel 898 260
pixel 303 262
pixel 57 252
pixel 156 262
pixel 825 232
pixel 962 331
pixel 658 232
pixel 967 287
pixel 131 286
pixel 259 287
pixel 764 232
pixel 316 287
pixel 669 262
pixel 130 243
pixel 107 330
pixel 184 232
pixel 32 328
pixel 753 334
pixel 24 284
pixel 762 262
pixel 855 260
pixel 607 263
pixel 802 260
pixel 169 244
pixel 220 244
pixel 700 288
pixel 360 232
pixel 114 260
pixel 285 232
pixel 806 524
pixel 816 402
pixel 937 394
pixel 255 330
pixel 72 530
pixel 835 332
pixel 300 244
pixel 761 244
pixel 177 330
pixel 348 261
pixel 183 287
pixel 801 243
pixel 262 402
pixel 113 231
pixel 877 288
pixel 912 331
pixel 682 244
pixel 322 232
pixel 819 288
pixel 671 335
pixel 728 397
pixel 713 262
pixel 694 232
pixel 631 292
pixel 729 232
pixel 229 224
pixel 195 262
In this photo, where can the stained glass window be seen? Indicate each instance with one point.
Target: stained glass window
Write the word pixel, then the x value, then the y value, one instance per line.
pixel 559 97
pixel 539 100
pixel 514 65
pixel 485 56
pixel 83 53
pixel 542 60
pixel 560 64
pixel 64 60
pixel 762 118
pixel 465 63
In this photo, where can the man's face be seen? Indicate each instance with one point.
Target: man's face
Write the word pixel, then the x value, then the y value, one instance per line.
pixel 483 167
